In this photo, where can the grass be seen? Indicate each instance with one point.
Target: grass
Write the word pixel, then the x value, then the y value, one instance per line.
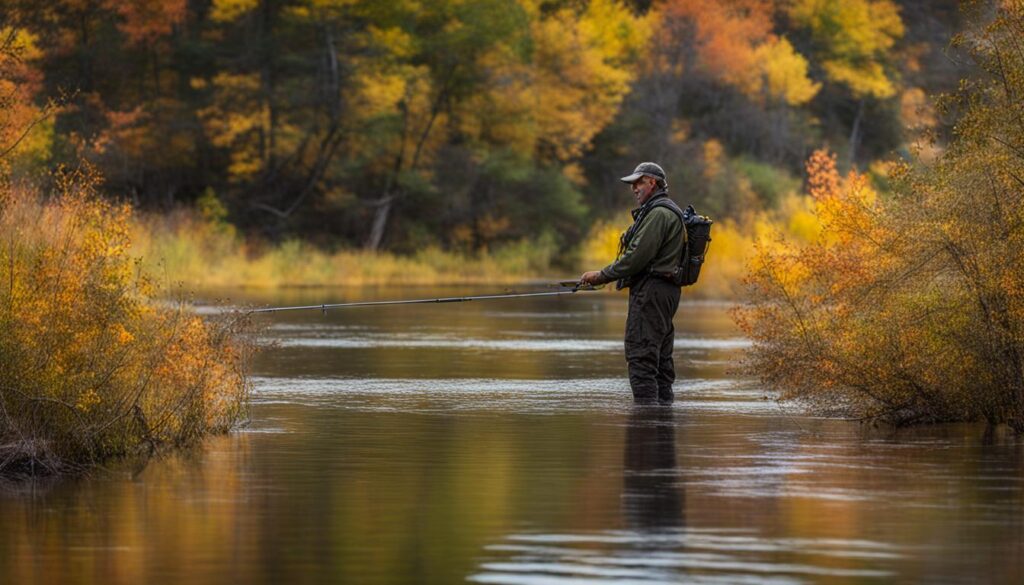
pixel 205 253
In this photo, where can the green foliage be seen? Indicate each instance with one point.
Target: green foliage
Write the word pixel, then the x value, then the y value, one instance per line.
pixel 540 197
pixel 534 255
pixel 769 182
pixel 214 213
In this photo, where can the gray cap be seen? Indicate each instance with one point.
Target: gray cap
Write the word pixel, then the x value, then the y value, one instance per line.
pixel 647 169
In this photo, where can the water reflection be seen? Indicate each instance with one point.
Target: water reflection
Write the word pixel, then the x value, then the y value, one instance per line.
pixel 652 495
pixel 123 526
pixel 655 544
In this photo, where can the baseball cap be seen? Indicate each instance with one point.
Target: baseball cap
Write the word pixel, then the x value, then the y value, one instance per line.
pixel 648 169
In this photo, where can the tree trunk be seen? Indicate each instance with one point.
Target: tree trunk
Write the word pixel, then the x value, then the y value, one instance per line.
pixel 393 190
pixel 380 221
pixel 855 134
pixel 332 86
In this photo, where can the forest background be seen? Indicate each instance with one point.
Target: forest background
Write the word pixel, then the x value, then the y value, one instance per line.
pixel 306 142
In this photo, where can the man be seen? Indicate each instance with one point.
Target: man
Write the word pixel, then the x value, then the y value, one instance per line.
pixel 649 249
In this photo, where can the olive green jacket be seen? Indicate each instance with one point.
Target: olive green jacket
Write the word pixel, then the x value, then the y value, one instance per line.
pixel 655 246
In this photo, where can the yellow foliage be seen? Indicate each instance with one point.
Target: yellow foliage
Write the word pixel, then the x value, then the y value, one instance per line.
pixel 784 73
pixel 35 147
pixel 87 400
pixel 680 131
pixel 613 31
pixel 235 120
pixel 714 158
pixel 228 10
pixel 916 110
pixel 858 27
pixel 571 88
pixel 398 43
pixel 862 79
pixel 122 335
pixel 388 85
pixel 848 318
pixel 855 36
pixel 23 41
pixel 331 4
pixel 378 92
pixel 602 243
pixel 727 256
pixel 805 225
pixel 574 172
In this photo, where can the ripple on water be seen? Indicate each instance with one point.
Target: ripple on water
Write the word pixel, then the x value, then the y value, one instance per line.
pixel 215 309
pixel 539 315
pixel 535 396
pixel 507 344
pixel 704 555
pixel 317 327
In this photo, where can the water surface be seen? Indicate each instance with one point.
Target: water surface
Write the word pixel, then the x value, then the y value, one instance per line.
pixel 495 442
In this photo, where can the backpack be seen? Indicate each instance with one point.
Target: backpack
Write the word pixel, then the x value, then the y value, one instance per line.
pixel 695 248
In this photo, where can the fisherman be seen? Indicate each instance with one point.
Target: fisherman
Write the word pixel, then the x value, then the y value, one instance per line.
pixel 648 250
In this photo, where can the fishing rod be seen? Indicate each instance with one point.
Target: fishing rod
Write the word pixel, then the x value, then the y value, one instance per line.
pixel 568 288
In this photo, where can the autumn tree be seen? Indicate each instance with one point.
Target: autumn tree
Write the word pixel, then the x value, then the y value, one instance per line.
pixel 506 94
pixel 421 65
pixel 538 115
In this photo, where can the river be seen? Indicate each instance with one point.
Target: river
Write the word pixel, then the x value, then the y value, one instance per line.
pixel 495 442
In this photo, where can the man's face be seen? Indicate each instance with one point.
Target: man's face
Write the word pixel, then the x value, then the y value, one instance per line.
pixel 643 188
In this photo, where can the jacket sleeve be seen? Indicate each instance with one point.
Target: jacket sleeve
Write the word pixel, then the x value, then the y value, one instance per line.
pixel 642 248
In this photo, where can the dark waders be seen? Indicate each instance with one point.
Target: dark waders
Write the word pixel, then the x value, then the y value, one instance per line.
pixel 649 338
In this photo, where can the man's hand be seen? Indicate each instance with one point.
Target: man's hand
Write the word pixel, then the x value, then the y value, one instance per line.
pixel 593 278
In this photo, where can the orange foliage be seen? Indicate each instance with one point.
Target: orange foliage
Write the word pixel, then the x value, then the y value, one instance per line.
pixel 815 314
pixel 145 21
pixel 727 32
pixel 735 44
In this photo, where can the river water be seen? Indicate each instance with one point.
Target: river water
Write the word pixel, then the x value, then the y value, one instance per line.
pixel 495 442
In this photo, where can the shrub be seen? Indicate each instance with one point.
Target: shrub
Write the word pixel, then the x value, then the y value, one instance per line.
pixel 93 364
pixel 911 309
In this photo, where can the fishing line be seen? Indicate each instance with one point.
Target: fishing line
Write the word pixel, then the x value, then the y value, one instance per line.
pixel 568 288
